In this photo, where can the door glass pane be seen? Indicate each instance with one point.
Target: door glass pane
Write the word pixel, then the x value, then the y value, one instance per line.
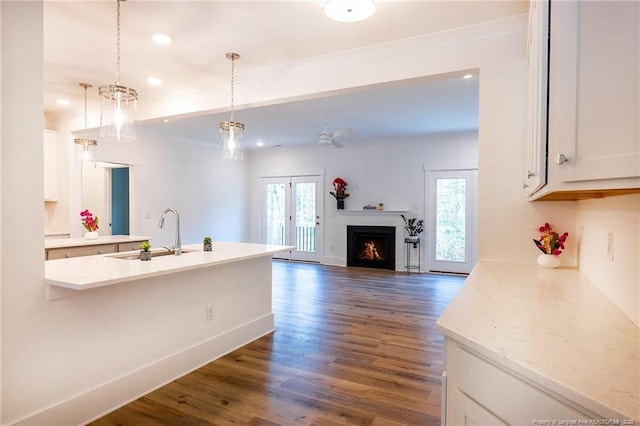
pixel 450 229
pixel 275 213
pixel 305 214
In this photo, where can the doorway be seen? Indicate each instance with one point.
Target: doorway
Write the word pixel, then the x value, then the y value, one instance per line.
pixel 120 201
pixel 291 215
pixel 452 230
pixel 106 192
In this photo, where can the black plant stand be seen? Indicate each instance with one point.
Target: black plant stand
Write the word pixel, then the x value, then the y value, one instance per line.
pixel 414 243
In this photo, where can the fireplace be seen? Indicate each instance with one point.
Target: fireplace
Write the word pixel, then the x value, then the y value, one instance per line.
pixel 371 246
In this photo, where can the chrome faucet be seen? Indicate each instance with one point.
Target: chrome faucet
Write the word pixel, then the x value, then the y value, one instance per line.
pixel 177 248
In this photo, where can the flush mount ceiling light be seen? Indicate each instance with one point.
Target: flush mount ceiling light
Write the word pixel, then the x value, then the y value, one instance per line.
pixel 119 103
pixel 85 141
pixel 232 132
pixel 349 10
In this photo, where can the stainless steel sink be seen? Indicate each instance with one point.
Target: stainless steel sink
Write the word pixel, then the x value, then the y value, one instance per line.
pixel 135 255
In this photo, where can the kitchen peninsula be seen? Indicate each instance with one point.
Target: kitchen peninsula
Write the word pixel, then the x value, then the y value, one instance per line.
pixel 146 323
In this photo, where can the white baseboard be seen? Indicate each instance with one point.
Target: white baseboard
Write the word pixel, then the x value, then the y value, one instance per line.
pixel 95 403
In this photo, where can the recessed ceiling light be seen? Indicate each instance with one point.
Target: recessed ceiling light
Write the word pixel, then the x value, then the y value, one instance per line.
pixel 468 76
pixel 162 39
pixel 260 143
pixel 154 81
pixel 166 120
pixel 63 101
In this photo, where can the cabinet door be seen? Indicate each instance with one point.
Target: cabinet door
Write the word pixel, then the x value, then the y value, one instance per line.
pixel 129 246
pixel 92 250
pixel 466 411
pixel 50 165
pixel 595 90
pixel 537 96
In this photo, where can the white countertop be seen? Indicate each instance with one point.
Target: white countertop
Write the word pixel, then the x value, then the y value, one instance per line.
pixel 554 327
pixel 78 242
pixel 83 273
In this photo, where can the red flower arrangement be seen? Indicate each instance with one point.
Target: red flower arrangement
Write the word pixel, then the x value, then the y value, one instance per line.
pixel 339 188
pixel 89 222
pixel 550 242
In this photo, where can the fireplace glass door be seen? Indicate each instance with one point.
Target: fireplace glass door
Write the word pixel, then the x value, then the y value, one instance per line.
pixel 291 215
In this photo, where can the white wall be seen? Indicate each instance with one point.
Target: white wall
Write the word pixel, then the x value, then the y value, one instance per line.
pixel 391 172
pixel 22 195
pixel 208 192
pixel 616 274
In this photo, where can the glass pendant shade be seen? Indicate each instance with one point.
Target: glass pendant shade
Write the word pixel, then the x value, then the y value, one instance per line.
pixel 349 10
pixel 118 112
pixel 232 134
pixel 118 103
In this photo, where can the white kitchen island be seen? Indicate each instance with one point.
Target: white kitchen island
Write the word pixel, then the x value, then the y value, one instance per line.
pixel 527 345
pixel 143 324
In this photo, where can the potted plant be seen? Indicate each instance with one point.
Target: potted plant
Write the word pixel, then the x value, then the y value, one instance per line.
pixel 551 245
pixel 145 253
pixel 339 191
pixel 90 223
pixel 414 228
pixel 207 244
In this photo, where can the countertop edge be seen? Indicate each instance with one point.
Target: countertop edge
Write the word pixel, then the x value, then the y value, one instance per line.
pixel 107 260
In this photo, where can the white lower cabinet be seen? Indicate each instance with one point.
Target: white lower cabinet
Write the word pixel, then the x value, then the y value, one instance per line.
pixel 67 252
pixel 90 250
pixel 480 392
pixel 468 412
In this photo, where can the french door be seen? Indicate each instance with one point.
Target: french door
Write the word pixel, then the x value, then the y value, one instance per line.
pixel 452 230
pixel 292 207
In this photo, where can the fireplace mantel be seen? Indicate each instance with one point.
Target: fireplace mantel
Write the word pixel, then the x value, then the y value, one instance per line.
pixel 371 212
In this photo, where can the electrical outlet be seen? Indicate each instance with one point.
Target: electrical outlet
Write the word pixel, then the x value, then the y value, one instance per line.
pixel 209 313
pixel 610 246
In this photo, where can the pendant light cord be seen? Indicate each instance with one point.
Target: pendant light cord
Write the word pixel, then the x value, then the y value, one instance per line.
pixel 118 44
pixel 232 83
pixel 85 105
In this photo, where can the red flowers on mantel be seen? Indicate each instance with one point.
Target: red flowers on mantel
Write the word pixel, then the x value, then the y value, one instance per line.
pixel 550 242
pixel 89 222
pixel 339 188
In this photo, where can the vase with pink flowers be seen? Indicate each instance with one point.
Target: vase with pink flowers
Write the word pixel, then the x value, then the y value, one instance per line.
pixel 551 245
pixel 90 223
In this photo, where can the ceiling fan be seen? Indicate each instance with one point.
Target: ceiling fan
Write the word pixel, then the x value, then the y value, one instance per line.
pixel 331 138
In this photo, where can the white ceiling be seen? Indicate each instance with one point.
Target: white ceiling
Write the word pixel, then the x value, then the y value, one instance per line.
pixel 79 43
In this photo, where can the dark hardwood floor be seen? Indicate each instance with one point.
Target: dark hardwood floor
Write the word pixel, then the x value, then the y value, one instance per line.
pixel 352 346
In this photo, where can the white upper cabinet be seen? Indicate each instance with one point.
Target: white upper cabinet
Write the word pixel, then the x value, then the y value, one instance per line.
pixel 593 146
pixel 537 99
pixel 50 165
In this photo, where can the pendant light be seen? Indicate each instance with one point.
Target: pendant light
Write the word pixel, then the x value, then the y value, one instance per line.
pixel 119 103
pixel 85 141
pixel 349 10
pixel 232 132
